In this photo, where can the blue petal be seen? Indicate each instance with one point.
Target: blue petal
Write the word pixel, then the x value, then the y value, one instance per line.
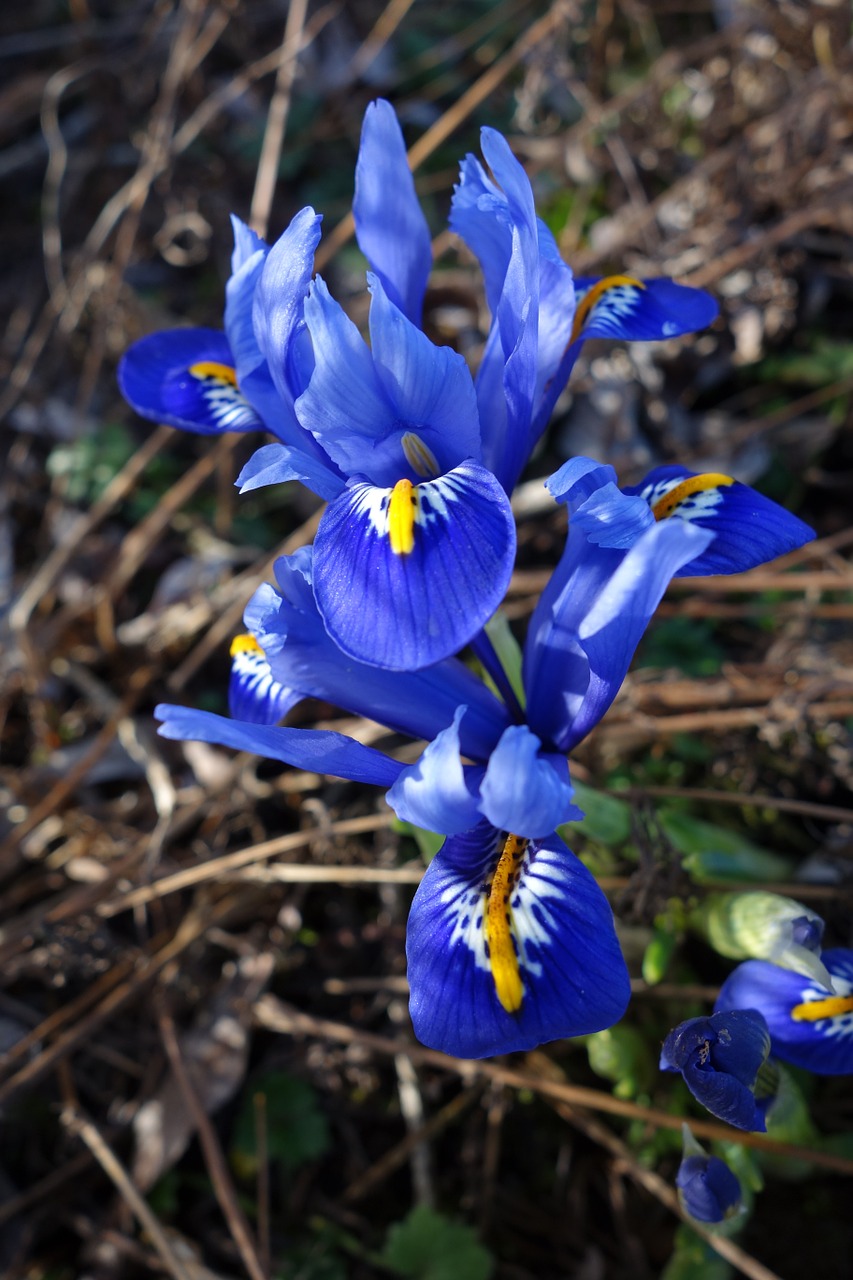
pixel 594 611
pixel 621 307
pixel 278 463
pixel 524 790
pixel 719 1058
pixel 406 577
pixel 531 296
pixel 279 304
pixel 429 387
pixel 708 1190
pixel 822 1044
pixel 556 961
pixel 253 375
pixel 344 405
pixel 434 793
pixel 303 656
pixel 254 695
pixel 186 377
pixel 390 227
pixel 480 215
pixel 630 309
pixel 319 750
pixel 750 529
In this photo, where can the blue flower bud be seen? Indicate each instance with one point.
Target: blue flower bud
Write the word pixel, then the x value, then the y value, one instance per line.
pixel 720 1058
pixel 707 1188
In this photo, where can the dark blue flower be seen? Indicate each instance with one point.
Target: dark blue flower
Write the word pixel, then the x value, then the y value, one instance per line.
pixel 720 1058
pixel 810 1024
pixel 707 1188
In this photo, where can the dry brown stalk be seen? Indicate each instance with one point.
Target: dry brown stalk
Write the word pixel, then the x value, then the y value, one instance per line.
pixel 276 1016
pixel 217 1166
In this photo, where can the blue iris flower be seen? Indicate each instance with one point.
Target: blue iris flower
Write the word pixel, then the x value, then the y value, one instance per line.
pixel 811 1025
pixel 510 940
pixel 707 1189
pixel 415 550
pixel 720 1059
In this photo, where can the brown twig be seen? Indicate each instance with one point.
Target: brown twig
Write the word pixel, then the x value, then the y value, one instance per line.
pixel 115 1171
pixel 223 1187
pixel 276 1016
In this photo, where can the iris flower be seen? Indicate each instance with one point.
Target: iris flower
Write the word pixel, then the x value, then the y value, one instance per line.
pixel 707 1189
pixel 510 940
pixel 415 550
pixel 720 1059
pixel 811 1025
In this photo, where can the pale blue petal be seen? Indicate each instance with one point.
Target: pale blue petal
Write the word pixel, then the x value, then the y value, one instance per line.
pixel 278 463
pixel 279 302
pixel 524 790
pixel 430 387
pixel 434 793
pixel 390 227
pixel 593 614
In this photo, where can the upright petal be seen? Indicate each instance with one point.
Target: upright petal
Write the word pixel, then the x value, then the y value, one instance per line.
pixel 390 227
pixel 186 378
pixel 810 1025
pixel 593 613
pixel 303 656
pixel 319 750
pixel 749 529
pixel 429 387
pixel 510 944
pixel 279 305
pixel 407 576
pixel 253 374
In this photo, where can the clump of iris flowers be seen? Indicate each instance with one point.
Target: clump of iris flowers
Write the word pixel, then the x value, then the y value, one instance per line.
pixel 415 457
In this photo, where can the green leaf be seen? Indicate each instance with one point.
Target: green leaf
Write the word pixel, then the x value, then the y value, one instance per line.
pixel 428 1246
pixel 622 1056
pixel 297 1130
pixel 693 1259
pixel 657 956
pixel 717 853
pixel 606 817
pixel 428 842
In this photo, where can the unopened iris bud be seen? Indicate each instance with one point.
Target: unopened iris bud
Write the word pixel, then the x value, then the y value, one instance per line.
pixel 720 1059
pixel 707 1189
pixel 764 926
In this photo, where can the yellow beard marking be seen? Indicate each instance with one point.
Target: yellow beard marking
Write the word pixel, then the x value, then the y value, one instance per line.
pixel 593 295
pixel 419 456
pixel 502 955
pixel 244 644
pixel 693 484
pixel 210 369
pixel 402 511
pixel 814 1010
